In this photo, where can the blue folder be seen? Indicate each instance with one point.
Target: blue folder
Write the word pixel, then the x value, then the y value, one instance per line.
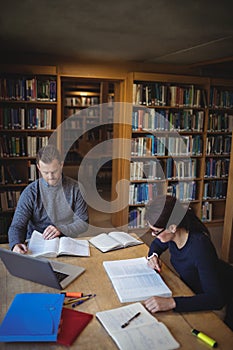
pixel 32 317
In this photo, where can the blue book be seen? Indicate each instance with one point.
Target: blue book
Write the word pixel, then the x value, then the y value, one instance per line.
pixel 32 317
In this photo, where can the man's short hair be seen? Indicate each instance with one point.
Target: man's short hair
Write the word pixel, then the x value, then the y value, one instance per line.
pixel 47 154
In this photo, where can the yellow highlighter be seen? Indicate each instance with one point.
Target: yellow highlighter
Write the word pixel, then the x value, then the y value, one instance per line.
pixel 205 338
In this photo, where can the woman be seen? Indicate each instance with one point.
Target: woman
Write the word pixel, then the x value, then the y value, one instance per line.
pixel 192 255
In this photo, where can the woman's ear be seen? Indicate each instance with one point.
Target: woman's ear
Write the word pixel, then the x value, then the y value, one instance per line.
pixel 173 228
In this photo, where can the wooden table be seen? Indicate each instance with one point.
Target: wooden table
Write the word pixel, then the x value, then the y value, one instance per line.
pixel 95 280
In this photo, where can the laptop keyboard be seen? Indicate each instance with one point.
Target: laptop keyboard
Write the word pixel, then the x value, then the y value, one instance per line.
pixel 60 275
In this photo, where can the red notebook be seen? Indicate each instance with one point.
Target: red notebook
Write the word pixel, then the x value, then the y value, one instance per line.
pixel 71 325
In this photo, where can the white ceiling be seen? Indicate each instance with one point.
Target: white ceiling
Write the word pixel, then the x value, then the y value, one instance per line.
pixel 153 31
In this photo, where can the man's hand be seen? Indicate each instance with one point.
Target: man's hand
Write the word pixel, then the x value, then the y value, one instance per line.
pixel 51 232
pixel 20 248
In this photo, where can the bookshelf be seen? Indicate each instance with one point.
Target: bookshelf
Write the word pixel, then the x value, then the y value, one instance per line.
pixel 221 97
pixel 180 136
pixel 87 124
pixel 218 136
pixel 28 116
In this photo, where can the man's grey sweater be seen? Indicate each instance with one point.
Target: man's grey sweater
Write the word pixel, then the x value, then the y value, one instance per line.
pixel 41 205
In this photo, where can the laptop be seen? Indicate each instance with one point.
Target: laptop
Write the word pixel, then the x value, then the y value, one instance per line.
pixel 53 274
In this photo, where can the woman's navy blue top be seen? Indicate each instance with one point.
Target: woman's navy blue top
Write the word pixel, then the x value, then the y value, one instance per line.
pixel 200 268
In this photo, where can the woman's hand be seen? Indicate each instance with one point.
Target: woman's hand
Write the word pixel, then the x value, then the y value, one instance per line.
pixel 154 262
pixel 155 304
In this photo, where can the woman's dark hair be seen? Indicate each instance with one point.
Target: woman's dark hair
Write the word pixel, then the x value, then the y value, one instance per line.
pixel 164 211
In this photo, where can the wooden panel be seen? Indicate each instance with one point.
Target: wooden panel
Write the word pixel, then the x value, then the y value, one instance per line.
pixel 227 241
pixel 28 69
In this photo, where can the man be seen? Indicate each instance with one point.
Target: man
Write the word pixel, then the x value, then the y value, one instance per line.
pixel 52 205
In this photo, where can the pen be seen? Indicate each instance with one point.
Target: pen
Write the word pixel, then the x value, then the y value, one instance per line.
pixel 81 300
pixel 131 319
pixel 74 300
pixel 205 338
pixel 73 294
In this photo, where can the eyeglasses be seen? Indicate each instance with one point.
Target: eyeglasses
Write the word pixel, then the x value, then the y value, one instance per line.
pixel 156 233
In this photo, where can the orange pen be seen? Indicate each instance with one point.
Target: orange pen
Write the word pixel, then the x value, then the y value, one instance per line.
pixel 73 294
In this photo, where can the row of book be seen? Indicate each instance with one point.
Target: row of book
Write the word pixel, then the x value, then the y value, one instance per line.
pixel 137 215
pixel 167 120
pixel 21 118
pixel 181 168
pixel 82 101
pixel 10 176
pixel 151 145
pixel 216 189
pixel 160 94
pixel 32 172
pixel 21 146
pixel 220 121
pixel 177 169
pixel 217 167
pixel 8 200
pixel 82 113
pixel 218 144
pixel 28 89
pixel 185 191
pixel 220 98
pixel 148 169
pixel 168 169
pixel 137 218
pixel 206 211
pixel 142 193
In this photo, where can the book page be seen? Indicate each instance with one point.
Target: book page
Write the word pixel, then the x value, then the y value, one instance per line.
pixel 124 238
pixel 71 246
pixel 121 268
pixel 38 246
pixel 105 243
pixel 144 332
pixel 133 280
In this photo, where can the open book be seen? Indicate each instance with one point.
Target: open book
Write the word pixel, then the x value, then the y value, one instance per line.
pixel 143 332
pixel 134 280
pixel 38 246
pixel 113 240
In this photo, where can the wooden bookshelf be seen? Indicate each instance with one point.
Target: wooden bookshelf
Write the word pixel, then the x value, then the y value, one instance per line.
pixel 87 123
pixel 28 116
pixel 180 144
pixel 222 96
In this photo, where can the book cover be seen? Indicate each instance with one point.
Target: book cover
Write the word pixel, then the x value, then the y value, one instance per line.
pixel 72 324
pixel 32 317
